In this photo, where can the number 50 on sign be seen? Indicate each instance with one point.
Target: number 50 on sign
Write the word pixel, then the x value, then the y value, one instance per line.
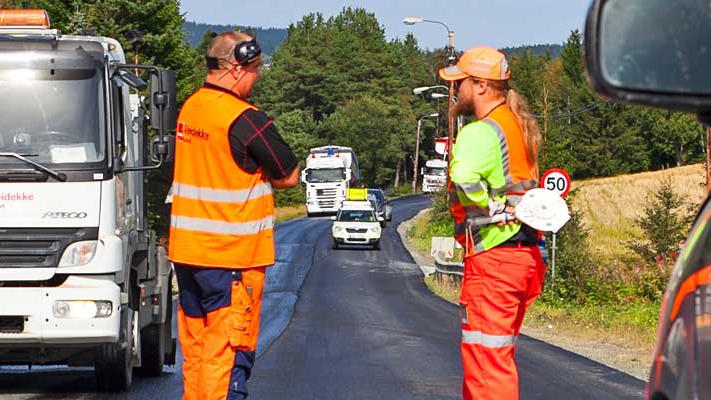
pixel 556 180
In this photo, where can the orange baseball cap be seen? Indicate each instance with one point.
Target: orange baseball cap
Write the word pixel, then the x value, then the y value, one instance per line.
pixel 479 62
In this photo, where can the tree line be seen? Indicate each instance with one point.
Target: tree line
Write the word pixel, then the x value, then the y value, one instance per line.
pixel 340 81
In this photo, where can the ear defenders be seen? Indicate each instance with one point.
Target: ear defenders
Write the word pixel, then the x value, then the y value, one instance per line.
pixel 244 53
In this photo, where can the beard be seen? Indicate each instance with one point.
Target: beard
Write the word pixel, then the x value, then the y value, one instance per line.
pixel 465 107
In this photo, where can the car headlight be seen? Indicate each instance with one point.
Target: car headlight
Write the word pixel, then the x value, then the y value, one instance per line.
pixel 79 253
pixel 375 229
pixel 337 229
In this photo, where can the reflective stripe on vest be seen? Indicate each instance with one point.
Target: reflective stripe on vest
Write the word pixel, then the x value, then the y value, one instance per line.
pixel 222 216
pixel 469 219
pixel 221 195
pixel 222 227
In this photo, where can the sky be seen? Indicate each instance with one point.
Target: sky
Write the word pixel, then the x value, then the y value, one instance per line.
pixel 498 23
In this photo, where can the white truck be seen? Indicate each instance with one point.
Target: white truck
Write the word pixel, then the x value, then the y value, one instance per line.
pixel 434 176
pixel 330 171
pixel 83 281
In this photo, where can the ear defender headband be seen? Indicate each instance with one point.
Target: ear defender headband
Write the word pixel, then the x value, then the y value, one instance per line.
pixel 244 52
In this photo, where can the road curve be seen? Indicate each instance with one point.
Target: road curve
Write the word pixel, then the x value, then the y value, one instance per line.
pixel 362 326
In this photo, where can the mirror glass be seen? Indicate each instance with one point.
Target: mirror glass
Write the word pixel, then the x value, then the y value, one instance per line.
pixel 657 45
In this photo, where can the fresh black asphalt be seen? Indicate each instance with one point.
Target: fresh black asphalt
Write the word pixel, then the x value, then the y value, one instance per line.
pixel 352 324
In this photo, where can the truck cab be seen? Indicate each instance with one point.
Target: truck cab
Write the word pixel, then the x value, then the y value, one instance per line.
pixel 83 281
pixel 330 171
pixel 434 176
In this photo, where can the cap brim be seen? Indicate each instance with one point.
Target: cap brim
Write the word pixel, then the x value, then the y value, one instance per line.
pixel 452 73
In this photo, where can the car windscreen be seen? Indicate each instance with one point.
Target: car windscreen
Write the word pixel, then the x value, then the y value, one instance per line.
pixel 52 102
pixel 356 216
pixel 325 175
pixel 435 171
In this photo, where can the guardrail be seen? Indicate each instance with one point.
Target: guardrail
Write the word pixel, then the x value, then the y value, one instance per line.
pixel 451 268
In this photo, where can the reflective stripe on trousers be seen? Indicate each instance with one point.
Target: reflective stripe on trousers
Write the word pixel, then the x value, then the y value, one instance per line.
pixel 490 341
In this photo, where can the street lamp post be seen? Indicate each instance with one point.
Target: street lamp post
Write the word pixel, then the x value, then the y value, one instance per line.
pixel 417 150
pixel 451 58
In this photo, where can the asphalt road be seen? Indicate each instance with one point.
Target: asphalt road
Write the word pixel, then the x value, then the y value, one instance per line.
pixel 352 324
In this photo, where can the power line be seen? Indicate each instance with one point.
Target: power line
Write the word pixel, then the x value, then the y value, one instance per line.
pixel 588 108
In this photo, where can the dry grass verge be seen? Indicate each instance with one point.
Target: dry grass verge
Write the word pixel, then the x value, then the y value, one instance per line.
pixel 610 205
pixel 287 213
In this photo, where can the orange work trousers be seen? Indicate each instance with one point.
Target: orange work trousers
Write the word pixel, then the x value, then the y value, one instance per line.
pixel 218 325
pixel 497 288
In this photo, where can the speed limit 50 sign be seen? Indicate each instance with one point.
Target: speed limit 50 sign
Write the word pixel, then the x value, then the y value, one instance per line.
pixel 556 180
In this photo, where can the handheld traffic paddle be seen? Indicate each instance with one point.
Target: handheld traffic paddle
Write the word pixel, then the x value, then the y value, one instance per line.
pixel 541 209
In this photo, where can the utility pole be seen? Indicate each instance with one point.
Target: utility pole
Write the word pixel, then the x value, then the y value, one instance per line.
pixel 450 136
pixel 417 157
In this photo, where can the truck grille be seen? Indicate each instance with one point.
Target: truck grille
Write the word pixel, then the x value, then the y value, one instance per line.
pixel 356 230
pixel 39 247
pixel 326 192
pixel 12 324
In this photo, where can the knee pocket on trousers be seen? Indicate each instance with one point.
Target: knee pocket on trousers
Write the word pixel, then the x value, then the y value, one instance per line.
pixel 242 310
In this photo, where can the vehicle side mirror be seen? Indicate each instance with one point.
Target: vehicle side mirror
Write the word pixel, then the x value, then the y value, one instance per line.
pixel 164 149
pixel 333 218
pixel 164 108
pixel 381 219
pixel 652 53
pixel 422 171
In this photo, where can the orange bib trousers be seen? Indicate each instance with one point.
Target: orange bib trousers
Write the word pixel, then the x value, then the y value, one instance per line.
pixel 218 325
pixel 497 288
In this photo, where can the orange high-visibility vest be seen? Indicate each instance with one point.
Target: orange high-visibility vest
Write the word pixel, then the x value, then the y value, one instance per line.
pixel 519 176
pixel 222 216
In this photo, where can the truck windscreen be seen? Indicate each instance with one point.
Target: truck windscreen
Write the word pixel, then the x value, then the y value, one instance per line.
pixel 52 106
pixel 435 171
pixel 325 175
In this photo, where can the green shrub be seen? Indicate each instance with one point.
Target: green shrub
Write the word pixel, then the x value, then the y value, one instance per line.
pixel 665 222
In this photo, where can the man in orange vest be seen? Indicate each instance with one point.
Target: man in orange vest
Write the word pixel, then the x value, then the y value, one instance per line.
pixel 493 163
pixel 229 156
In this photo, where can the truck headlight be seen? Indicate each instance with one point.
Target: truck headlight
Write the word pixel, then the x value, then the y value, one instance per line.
pixel 79 253
pixel 81 309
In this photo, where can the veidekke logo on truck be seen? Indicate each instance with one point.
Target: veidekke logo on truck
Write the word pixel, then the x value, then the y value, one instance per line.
pixel 16 196
pixel 64 215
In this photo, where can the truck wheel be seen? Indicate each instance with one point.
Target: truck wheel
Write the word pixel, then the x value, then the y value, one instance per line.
pixel 113 362
pixel 154 341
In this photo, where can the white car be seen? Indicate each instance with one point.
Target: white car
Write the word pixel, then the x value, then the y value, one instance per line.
pixel 356 224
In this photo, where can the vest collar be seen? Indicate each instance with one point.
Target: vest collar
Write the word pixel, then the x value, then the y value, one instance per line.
pixel 211 86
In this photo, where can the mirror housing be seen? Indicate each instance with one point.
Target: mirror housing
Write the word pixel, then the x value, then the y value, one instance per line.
pixel 164 108
pixel 649 53
pixel 381 219
pixel 163 150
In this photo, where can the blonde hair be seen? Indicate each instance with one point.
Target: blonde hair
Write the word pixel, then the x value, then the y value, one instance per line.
pixel 528 123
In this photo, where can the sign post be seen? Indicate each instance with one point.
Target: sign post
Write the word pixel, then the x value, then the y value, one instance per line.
pixel 556 180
